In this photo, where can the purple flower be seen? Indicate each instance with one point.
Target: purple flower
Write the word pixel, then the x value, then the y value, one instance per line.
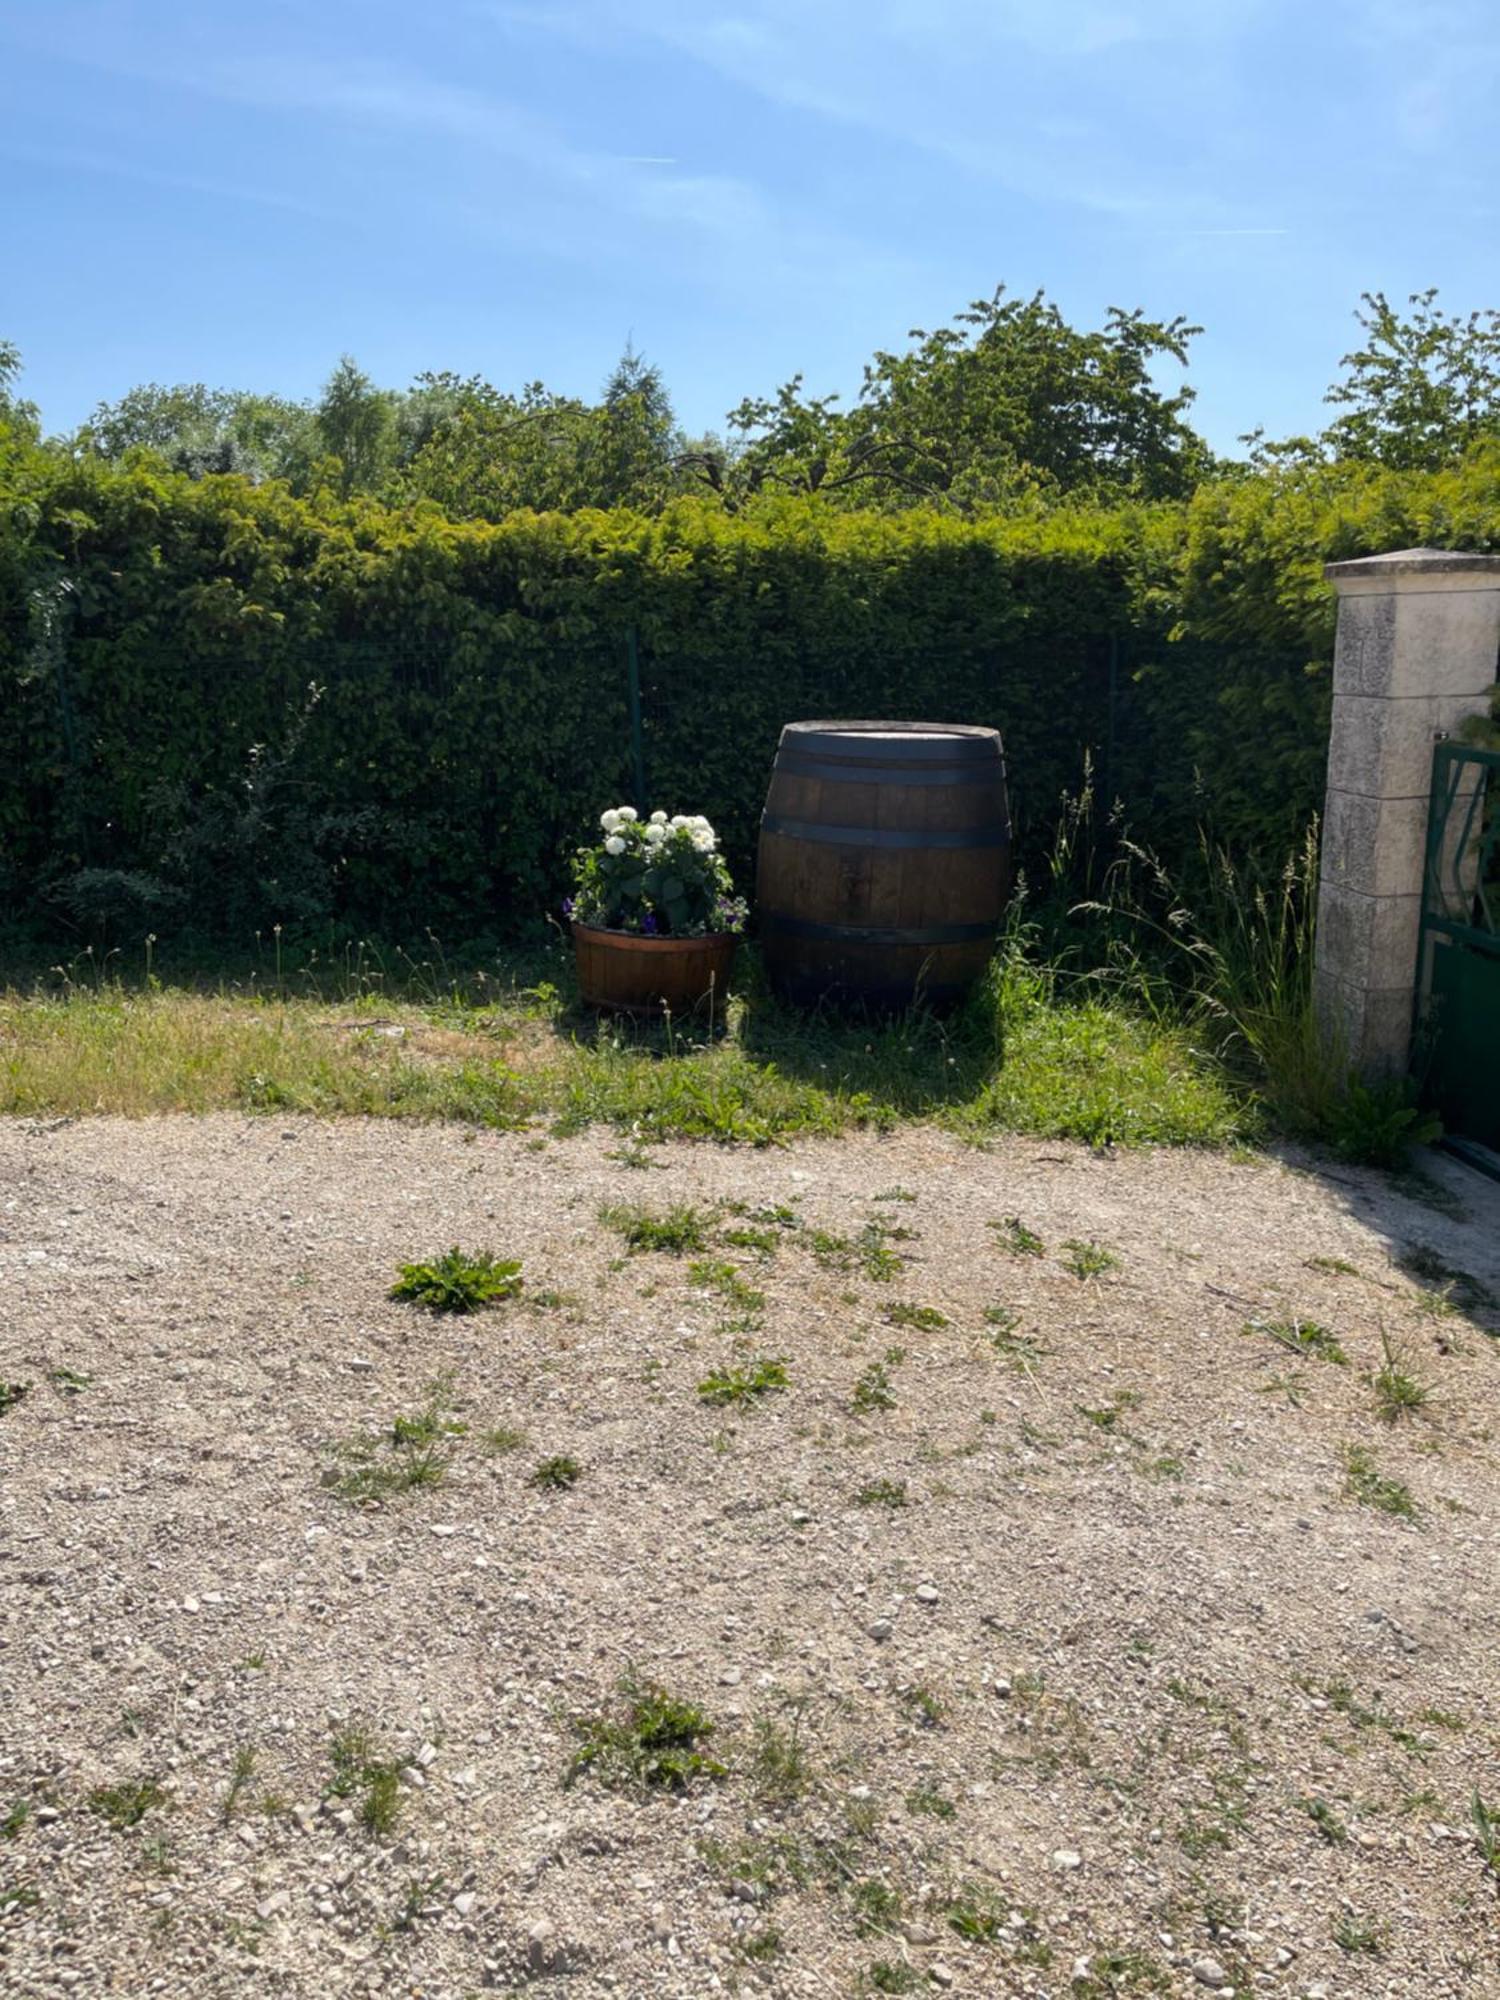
pixel 567 906
pixel 648 925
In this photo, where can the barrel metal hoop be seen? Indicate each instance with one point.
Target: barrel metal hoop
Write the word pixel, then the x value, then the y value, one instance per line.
pixel 802 927
pixel 865 836
pixel 863 771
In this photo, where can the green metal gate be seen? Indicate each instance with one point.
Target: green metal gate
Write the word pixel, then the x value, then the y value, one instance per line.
pixel 1459 959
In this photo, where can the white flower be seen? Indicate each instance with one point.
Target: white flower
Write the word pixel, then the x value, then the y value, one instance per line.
pixel 614 845
pixel 658 819
pixel 704 842
pixel 627 812
pixel 610 820
pixel 679 820
pixel 655 835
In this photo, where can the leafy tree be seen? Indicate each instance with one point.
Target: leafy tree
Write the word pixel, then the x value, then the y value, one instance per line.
pixel 18 417
pixel 1421 389
pixel 356 423
pixel 199 430
pixel 1008 399
pixel 487 453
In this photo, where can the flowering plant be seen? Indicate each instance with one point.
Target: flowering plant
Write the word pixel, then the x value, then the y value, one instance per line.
pixel 655 877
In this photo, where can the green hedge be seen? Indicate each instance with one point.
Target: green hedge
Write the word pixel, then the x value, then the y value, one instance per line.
pixel 158 638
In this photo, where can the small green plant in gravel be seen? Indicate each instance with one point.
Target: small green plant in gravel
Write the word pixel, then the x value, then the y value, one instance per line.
pixel 681 1230
pixel 1088 1259
pixel 11 1394
pixel 1357 1934
pixel 1107 1416
pixel 14 1819
pixel 780 1767
pixel 1114 1971
pixel 1336 1267
pixel 126 1804
pixel 925 1318
pixel 922 1705
pixel 422 1898
pixel 502 1438
pixel 414 1452
pixel 1330 1827
pixel 654 1739
pixel 1301 1336
pixel 758 1946
pixel 874 1904
pixel 717 1274
pixel 882 1493
pixel 363 1773
pixel 1398 1393
pixel 887 1975
pixel 757 1378
pixel 750 1236
pixel 869 1252
pixel 68 1381
pixel 556 1474
pixel 1017 1240
pixel 873 1390
pixel 1365 1483
pixel 459 1281
pixel 977 1914
pixel 240 1773
pixel 929 1800
pixel 1486 1832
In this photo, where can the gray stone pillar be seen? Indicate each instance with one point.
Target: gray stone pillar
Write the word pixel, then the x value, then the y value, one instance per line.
pixel 1418 636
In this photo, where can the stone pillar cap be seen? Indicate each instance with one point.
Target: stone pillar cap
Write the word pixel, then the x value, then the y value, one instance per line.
pixel 1436 567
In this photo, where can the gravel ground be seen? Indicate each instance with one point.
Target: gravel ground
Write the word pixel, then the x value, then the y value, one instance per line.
pixel 1131 1695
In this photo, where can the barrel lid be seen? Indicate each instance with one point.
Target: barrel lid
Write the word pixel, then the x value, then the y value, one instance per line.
pixel 893 742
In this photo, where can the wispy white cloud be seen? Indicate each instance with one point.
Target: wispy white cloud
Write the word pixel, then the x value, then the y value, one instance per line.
pixel 114 166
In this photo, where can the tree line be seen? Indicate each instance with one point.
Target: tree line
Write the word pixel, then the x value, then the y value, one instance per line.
pixel 1007 406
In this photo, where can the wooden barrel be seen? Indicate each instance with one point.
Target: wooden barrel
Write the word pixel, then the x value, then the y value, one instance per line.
pixel 884 861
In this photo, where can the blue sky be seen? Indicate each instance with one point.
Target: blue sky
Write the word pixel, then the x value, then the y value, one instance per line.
pixel 237 193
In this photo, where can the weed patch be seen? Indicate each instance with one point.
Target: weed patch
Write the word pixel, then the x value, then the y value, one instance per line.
pixel 1301 1336
pixel 1366 1484
pixel 654 1739
pixel 557 1474
pixel 744 1385
pixel 458 1282
pixel 125 1805
pixel 362 1773
pixel 681 1230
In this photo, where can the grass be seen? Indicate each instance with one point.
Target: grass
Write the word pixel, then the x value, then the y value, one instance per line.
pixel 873 1390
pixel 1398 1393
pixel 724 1386
pixel 717 1274
pixel 882 1493
pixel 125 1805
pixel 11 1393
pixel 362 1772
pixel 1017 1239
pixel 1366 1484
pixel 1301 1336
pixel 500 1050
pixel 679 1230
pixel 557 1474
pixel 924 1318
pixel 240 1773
pixel 459 1281
pixel 414 1452
pixel 1088 1260
pixel 653 1739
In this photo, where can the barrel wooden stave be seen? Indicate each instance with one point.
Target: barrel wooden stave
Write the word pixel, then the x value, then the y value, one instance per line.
pixel 884 861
